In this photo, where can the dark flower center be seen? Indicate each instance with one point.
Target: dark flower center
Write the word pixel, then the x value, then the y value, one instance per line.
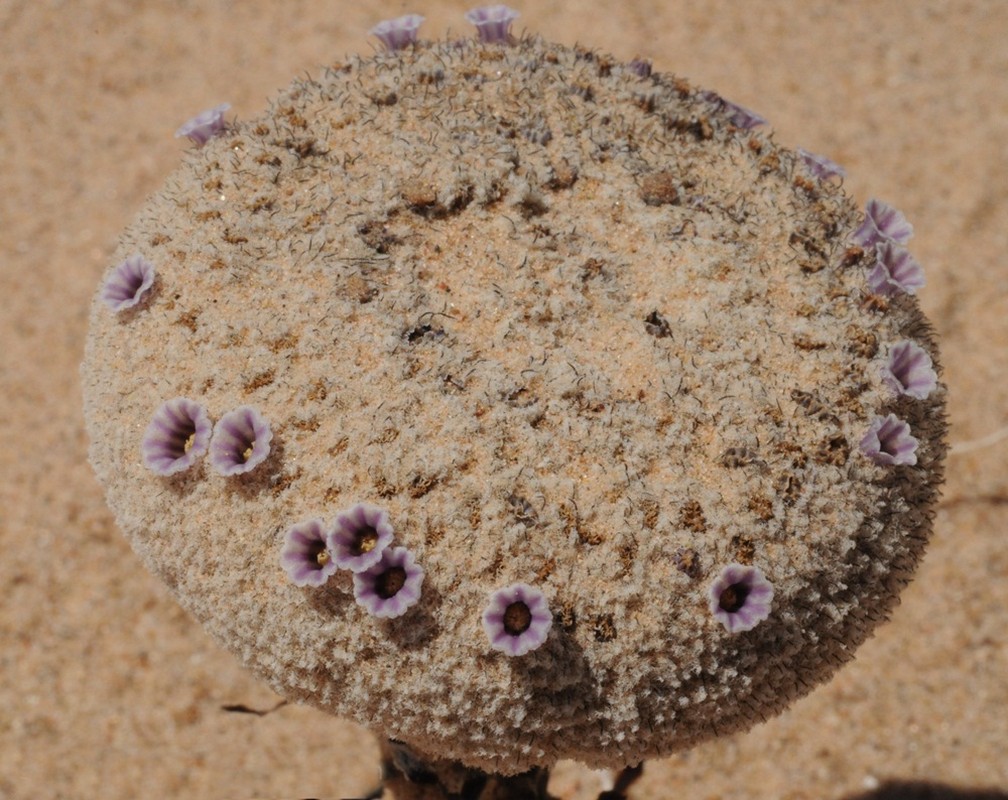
pixel 365 540
pixel 517 618
pixel 390 582
pixel 318 553
pixel 183 437
pixel 734 597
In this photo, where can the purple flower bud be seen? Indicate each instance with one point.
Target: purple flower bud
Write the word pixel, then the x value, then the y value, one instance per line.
pixel 820 166
pixel 640 67
pixel 888 442
pixel 128 283
pixel 391 586
pixel 895 271
pixel 882 223
pixel 359 537
pixel 177 437
pixel 205 125
pixel 908 371
pixel 740 598
pixel 398 33
pixel 517 619
pixel 305 555
pixel 493 23
pixel 241 441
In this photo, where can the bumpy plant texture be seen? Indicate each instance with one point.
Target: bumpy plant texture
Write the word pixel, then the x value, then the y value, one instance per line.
pixel 570 327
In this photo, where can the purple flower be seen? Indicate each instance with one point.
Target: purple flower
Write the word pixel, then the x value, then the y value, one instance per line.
pixel 241 441
pixel 398 33
pixel 895 271
pixel 493 23
pixel 882 223
pixel 640 67
pixel 391 586
pixel 739 116
pixel 128 283
pixel 740 598
pixel 742 117
pixel 205 125
pixel 908 370
pixel 177 437
pixel 359 537
pixel 305 556
pixel 888 442
pixel 820 166
pixel 517 619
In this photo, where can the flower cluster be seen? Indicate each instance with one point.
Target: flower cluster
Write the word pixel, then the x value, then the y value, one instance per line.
pixel 908 370
pixel 886 230
pixel 180 433
pixel 386 580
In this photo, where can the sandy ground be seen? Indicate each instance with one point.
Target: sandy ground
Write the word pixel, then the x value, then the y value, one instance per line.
pixel 108 690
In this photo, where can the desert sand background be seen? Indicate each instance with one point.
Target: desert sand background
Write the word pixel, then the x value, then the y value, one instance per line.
pixel 108 690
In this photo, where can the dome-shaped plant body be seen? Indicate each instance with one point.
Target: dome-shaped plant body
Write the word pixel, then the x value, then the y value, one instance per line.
pixel 572 326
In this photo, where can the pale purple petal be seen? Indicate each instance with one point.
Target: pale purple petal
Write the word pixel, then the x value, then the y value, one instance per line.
pixel 882 223
pixel 128 283
pixel 398 33
pixel 740 598
pixel 517 619
pixel 205 125
pixel 241 441
pixel 888 442
pixel 895 271
pixel 177 437
pixel 909 371
pixel 390 587
pixel 820 166
pixel 360 535
pixel 305 556
pixel 493 23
